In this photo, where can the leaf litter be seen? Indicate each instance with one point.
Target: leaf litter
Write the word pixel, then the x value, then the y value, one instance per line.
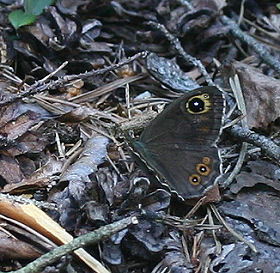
pixel 65 138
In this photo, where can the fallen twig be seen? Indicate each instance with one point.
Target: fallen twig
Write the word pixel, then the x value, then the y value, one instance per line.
pixel 268 147
pixel 82 241
pixel 260 49
pixel 39 86
pixel 178 47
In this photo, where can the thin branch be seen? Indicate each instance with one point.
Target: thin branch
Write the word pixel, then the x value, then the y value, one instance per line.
pixel 90 238
pixel 23 200
pixel 39 87
pixel 175 43
pixel 260 49
pixel 268 147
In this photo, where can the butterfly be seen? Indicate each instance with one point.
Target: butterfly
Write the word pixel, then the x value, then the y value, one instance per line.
pixel 178 148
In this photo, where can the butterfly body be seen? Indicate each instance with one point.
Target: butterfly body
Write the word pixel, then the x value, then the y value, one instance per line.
pixel 179 145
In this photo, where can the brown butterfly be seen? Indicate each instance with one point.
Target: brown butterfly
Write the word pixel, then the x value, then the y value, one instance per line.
pixel 179 145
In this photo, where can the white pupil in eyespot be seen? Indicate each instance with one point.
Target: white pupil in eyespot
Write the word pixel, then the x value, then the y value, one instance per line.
pixel 203 169
pixel 196 105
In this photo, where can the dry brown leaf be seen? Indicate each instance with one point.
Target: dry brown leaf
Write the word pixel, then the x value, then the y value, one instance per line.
pixel 10 170
pixel 38 179
pixel 12 248
pixel 261 93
